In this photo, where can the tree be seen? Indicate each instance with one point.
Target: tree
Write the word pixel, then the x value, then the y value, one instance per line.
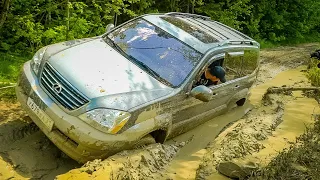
pixel 4 11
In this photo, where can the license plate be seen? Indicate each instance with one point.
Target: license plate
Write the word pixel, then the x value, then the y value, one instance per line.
pixel 41 115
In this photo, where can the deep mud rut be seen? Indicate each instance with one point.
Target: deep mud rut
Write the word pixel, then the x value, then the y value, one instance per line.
pixel 25 152
pixel 255 132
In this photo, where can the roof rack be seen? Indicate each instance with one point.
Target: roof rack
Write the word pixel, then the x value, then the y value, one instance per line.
pixel 187 15
pixel 234 42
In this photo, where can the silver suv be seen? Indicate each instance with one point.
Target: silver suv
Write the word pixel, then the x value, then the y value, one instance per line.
pixel 141 82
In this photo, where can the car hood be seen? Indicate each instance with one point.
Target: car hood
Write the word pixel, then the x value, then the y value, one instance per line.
pixel 103 75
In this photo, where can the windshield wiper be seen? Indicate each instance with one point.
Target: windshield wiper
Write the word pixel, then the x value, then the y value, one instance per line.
pixel 115 45
pixel 149 70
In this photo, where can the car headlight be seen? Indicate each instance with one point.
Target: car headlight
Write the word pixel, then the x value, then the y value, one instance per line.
pixel 106 120
pixel 37 58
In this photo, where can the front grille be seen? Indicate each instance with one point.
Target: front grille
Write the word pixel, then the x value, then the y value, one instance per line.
pixel 60 89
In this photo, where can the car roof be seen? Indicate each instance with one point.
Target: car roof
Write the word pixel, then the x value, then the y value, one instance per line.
pixel 218 33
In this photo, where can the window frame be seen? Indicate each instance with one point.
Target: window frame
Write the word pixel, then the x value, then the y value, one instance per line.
pixel 215 54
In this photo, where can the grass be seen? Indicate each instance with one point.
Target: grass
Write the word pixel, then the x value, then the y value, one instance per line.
pixel 265 44
pixel 7 94
pixel 313 73
pixel 10 66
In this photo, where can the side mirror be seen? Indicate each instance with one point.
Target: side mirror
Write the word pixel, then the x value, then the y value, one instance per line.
pixel 109 27
pixel 202 93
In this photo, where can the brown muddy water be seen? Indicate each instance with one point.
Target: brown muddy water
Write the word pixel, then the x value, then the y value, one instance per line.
pixel 187 161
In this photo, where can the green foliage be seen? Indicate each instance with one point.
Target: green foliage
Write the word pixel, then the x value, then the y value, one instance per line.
pixel 7 94
pixel 33 24
pixel 10 66
pixel 229 12
pixel 313 73
pixel 30 25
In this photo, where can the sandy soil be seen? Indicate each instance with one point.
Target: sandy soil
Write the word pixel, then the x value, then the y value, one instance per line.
pixel 26 153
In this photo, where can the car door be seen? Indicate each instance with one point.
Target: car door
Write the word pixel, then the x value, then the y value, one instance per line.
pixel 192 112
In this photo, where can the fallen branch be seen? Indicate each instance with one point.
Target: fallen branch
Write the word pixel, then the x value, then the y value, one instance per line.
pixel 7 87
pixel 8 83
pixel 289 89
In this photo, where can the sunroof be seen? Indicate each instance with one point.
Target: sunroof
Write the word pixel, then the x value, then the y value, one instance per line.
pixel 191 29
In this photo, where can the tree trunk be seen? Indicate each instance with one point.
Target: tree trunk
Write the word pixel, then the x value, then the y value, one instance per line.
pixel 4 12
pixel 68 20
pixel 49 14
pixel 115 19
pixel 172 5
pixel 192 8
pixel 188 6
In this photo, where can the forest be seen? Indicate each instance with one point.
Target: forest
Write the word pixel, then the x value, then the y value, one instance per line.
pixel 26 25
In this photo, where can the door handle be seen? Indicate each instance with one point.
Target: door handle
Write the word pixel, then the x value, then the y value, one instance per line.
pixel 236 87
pixel 214 94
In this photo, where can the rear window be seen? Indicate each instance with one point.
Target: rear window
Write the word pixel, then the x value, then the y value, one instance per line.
pixel 191 29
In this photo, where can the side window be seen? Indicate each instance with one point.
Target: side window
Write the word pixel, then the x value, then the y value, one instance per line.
pixel 208 78
pixel 250 61
pixel 232 64
pixel 240 64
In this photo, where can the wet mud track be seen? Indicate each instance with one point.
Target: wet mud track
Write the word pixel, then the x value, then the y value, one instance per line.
pixel 25 152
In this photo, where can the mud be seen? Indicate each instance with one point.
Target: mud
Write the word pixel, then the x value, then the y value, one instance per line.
pixel 264 129
pixel 25 152
pixel 137 164
pixel 270 127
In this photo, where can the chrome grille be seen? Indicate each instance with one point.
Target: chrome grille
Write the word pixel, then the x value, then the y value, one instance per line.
pixel 60 89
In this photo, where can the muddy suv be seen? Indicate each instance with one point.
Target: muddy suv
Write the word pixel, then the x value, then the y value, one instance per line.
pixel 136 84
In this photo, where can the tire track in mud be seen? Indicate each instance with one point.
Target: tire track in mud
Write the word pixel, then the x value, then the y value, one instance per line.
pixel 25 150
pixel 16 130
pixel 243 138
pixel 144 163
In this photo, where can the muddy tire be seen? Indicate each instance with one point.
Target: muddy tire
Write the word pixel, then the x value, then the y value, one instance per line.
pixel 146 140
pixel 241 102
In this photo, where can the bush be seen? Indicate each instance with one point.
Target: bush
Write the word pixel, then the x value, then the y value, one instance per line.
pixel 313 73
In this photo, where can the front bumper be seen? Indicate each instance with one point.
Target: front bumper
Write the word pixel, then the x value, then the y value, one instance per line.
pixel 74 137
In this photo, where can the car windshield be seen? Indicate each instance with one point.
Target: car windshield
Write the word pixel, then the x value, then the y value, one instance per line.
pixel 156 51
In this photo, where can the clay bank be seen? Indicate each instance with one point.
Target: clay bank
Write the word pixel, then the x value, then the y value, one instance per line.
pixel 145 81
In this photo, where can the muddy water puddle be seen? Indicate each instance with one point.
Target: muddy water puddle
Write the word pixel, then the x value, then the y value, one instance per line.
pixel 293 77
pixel 187 161
pixel 297 116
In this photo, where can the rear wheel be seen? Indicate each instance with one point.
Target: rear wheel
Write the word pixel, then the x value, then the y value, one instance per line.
pixel 146 140
pixel 241 102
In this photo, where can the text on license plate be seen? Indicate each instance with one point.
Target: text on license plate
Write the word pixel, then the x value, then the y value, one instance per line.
pixel 41 115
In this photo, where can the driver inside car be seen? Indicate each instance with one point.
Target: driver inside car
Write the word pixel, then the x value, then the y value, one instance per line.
pixel 212 76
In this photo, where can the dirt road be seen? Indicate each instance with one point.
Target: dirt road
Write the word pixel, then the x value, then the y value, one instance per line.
pixel 263 128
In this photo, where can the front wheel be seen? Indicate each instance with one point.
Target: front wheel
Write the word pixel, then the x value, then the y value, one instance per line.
pixel 146 140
